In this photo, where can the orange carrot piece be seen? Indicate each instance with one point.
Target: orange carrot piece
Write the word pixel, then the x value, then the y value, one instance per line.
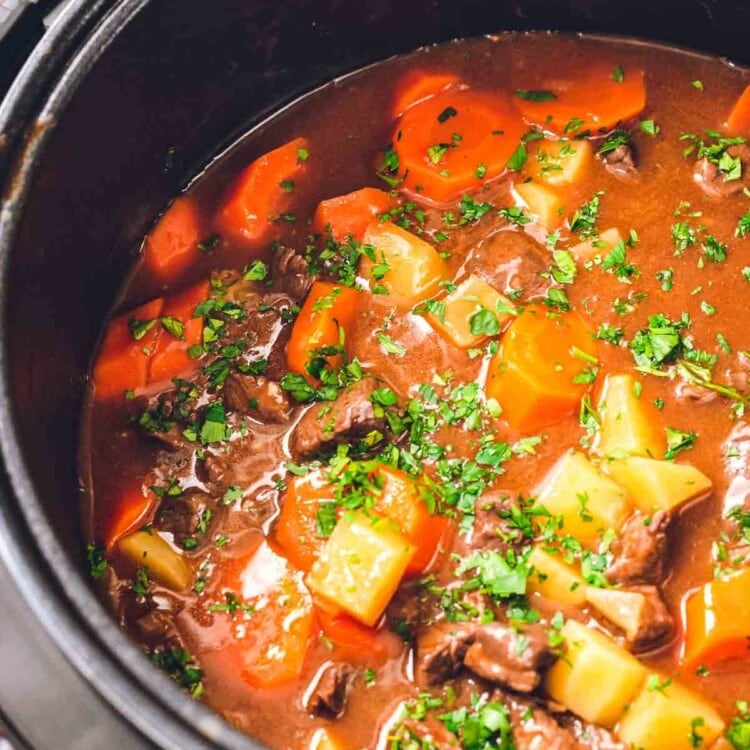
pixel 170 358
pixel 133 510
pixel 533 374
pixel 329 309
pixel 172 244
pixel 717 621
pixel 296 529
pixel 258 196
pixel 738 122
pixel 353 641
pixel 418 85
pixel 122 363
pixel 589 100
pixel 445 144
pixel 350 214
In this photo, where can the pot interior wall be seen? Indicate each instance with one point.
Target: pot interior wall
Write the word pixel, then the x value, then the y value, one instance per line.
pixel 181 81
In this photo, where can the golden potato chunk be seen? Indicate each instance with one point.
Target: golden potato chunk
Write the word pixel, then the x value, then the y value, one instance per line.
pixel 601 245
pixel 554 579
pixel 626 609
pixel 668 716
pixel 542 202
pixel 165 566
pixel 596 679
pixel 560 162
pixel 360 566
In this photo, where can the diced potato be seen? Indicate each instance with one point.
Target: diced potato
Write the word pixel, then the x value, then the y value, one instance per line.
pixel 323 739
pixel 601 245
pixel 560 162
pixel 629 425
pixel 588 501
pixel 656 485
pixel 407 267
pixel 543 202
pixel 360 566
pixel 596 679
pixel 626 609
pixel 668 716
pixel 554 579
pixel 471 296
pixel 165 566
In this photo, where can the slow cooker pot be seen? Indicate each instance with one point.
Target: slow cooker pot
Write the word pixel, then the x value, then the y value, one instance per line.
pixel 115 109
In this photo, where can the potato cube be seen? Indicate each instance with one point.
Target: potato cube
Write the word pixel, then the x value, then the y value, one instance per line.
pixel 668 716
pixel 165 566
pixel 657 485
pixel 587 500
pixel 403 265
pixel 472 296
pixel 629 425
pixel 560 162
pixel 554 579
pixel 360 566
pixel 596 679
pixel 543 203
pixel 626 609
pixel 601 245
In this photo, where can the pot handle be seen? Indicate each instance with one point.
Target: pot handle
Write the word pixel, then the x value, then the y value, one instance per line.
pixel 21 27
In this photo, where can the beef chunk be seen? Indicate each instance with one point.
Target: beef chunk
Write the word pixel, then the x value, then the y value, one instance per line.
pixel 256 396
pixel 620 162
pixel 533 727
pixel 350 417
pixel 441 649
pixel 181 514
pixel 158 629
pixel 492 527
pixel 509 260
pixel 639 552
pixel 590 736
pixel 506 656
pixel 656 626
pixel 328 697
pixel 714 182
pixel 290 273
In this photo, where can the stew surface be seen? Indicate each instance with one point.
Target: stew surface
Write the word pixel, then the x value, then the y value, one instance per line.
pixel 421 421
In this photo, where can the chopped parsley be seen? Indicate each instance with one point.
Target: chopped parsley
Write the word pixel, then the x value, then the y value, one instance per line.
pixel 678 441
pixel 180 666
pixel 535 95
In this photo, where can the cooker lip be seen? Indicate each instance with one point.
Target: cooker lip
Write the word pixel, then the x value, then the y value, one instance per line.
pixel 51 585
pixel 47 579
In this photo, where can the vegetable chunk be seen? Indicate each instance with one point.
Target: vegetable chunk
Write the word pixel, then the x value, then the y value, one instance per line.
pixel 361 566
pixel 418 85
pixel 588 501
pixel 542 202
pixel 350 214
pixel 560 162
pixel 147 549
pixel 554 579
pixel 596 679
pixel 172 244
pixel 738 122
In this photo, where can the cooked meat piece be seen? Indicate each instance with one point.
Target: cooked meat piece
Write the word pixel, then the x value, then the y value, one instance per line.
pixel 290 273
pixel 181 514
pixel 158 629
pixel 509 260
pixel 277 364
pixel 492 527
pixel 534 728
pixel 441 649
pixel 507 656
pixel 640 550
pixel 714 182
pixel 620 162
pixel 656 626
pixel 328 697
pixel 349 418
pixel 256 396
pixel 428 733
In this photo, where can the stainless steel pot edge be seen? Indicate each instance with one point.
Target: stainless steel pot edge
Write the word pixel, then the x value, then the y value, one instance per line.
pixel 50 584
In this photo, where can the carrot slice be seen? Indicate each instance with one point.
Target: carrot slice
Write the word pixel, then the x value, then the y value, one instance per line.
pixel 132 510
pixel 354 641
pixel 446 143
pixel 170 358
pixel 533 376
pixel 350 214
pixel 717 621
pixel 122 363
pixel 738 121
pixel 589 99
pixel 259 197
pixel 326 316
pixel 418 85
pixel 271 640
pixel 172 244
pixel 297 528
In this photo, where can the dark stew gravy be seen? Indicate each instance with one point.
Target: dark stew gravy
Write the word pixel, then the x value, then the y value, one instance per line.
pixel 421 422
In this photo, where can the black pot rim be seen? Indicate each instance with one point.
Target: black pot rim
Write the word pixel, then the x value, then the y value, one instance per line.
pixel 54 589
